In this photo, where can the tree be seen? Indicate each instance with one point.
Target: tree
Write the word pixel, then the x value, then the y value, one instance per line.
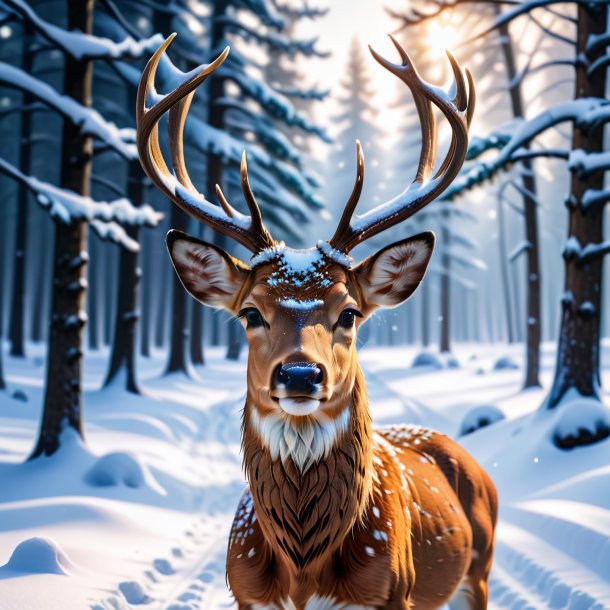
pixel 69 204
pixel 577 366
pixel 527 186
pixel 357 122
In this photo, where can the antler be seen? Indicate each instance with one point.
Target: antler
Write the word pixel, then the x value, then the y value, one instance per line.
pixel 177 186
pixel 458 111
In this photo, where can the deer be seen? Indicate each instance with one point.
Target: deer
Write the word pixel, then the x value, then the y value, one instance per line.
pixel 337 515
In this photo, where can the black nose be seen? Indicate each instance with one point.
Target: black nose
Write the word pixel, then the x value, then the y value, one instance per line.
pixel 299 377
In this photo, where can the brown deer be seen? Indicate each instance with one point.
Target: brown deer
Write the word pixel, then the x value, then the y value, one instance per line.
pixel 337 515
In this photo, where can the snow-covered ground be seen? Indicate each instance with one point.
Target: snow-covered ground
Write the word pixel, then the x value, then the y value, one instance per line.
pixel 139 516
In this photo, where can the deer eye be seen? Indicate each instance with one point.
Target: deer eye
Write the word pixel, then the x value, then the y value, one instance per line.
pixel 348 317
pixel 253 317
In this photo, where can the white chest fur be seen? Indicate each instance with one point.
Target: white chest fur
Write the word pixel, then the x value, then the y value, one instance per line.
pixel 305 445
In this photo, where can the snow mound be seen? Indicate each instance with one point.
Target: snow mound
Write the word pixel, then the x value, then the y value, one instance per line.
pixel 38 556
pixel 505 364
pixel 582 421
pixel 479 417
pixel 134 593
pixel 163 566
pixel 444 360
pixel 116 469
pixel 20 395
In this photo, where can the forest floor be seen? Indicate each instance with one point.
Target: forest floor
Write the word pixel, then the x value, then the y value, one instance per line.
pixel 139 515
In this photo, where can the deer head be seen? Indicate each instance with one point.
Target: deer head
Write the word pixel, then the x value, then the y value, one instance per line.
pixel 301 308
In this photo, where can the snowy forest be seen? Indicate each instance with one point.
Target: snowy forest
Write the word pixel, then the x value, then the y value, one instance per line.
pixel 121 396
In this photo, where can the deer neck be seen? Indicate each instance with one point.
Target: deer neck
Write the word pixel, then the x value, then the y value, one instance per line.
pixel 307 505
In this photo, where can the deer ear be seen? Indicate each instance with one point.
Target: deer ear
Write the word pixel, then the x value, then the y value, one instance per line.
pixel 210 275
pixel 390 277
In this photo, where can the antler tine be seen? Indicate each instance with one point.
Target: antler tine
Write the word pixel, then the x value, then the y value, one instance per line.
pixel 458 110
pixel 179 188
pixel 352 202
pixel 255 211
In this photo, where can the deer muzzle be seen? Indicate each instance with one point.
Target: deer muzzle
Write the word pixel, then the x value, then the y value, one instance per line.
pixel 297 387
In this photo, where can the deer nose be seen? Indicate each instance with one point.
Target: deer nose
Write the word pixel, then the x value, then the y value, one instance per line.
pixel 299 377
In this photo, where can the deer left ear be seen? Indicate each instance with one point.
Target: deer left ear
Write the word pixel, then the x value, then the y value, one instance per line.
pixel 390 277
pixel 208 273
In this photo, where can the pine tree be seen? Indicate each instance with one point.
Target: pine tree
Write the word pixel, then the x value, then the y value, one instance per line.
pixel 357 122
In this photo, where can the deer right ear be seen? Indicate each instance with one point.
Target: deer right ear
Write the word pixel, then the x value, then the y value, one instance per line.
pixel 209 275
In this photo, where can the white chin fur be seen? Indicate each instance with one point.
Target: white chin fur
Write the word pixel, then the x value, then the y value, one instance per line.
pixel 299 407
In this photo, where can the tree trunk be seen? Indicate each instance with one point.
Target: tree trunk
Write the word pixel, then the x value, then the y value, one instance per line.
pixel 17 313
pixel 2 383
pixel 445 292
pixel 425 314
pixel 179 331
pixel 93 297
pixel 145 325
pixel 197 356
pixel 162 305
pixel 577 365
pixel 109 274
pixel 40 304
pixel 124 355
pixel 216 90
pixel 528 182
pixel 236 336
pixel 504 271
pixel 63 395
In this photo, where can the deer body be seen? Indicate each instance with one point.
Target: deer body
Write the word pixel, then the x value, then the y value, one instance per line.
pixel 337 516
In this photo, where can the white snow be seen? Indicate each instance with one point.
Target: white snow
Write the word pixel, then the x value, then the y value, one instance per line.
pixel 479 417
pixel 301 304
pixel 139 516
pixel 37 556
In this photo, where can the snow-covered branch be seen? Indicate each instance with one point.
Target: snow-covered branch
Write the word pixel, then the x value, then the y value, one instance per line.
pixel 275 42
pixel 90 121
pixel 522 8
pixel 518 250
pixel 496 139
pixel 584 254
pixel 583 163
pixel 593 197
pixel 67 206
pixel 83 46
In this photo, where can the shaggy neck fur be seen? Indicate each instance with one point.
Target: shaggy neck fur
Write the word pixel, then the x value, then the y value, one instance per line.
pixel 307 500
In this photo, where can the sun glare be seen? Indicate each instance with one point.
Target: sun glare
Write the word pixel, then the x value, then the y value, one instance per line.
pixel 441 37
